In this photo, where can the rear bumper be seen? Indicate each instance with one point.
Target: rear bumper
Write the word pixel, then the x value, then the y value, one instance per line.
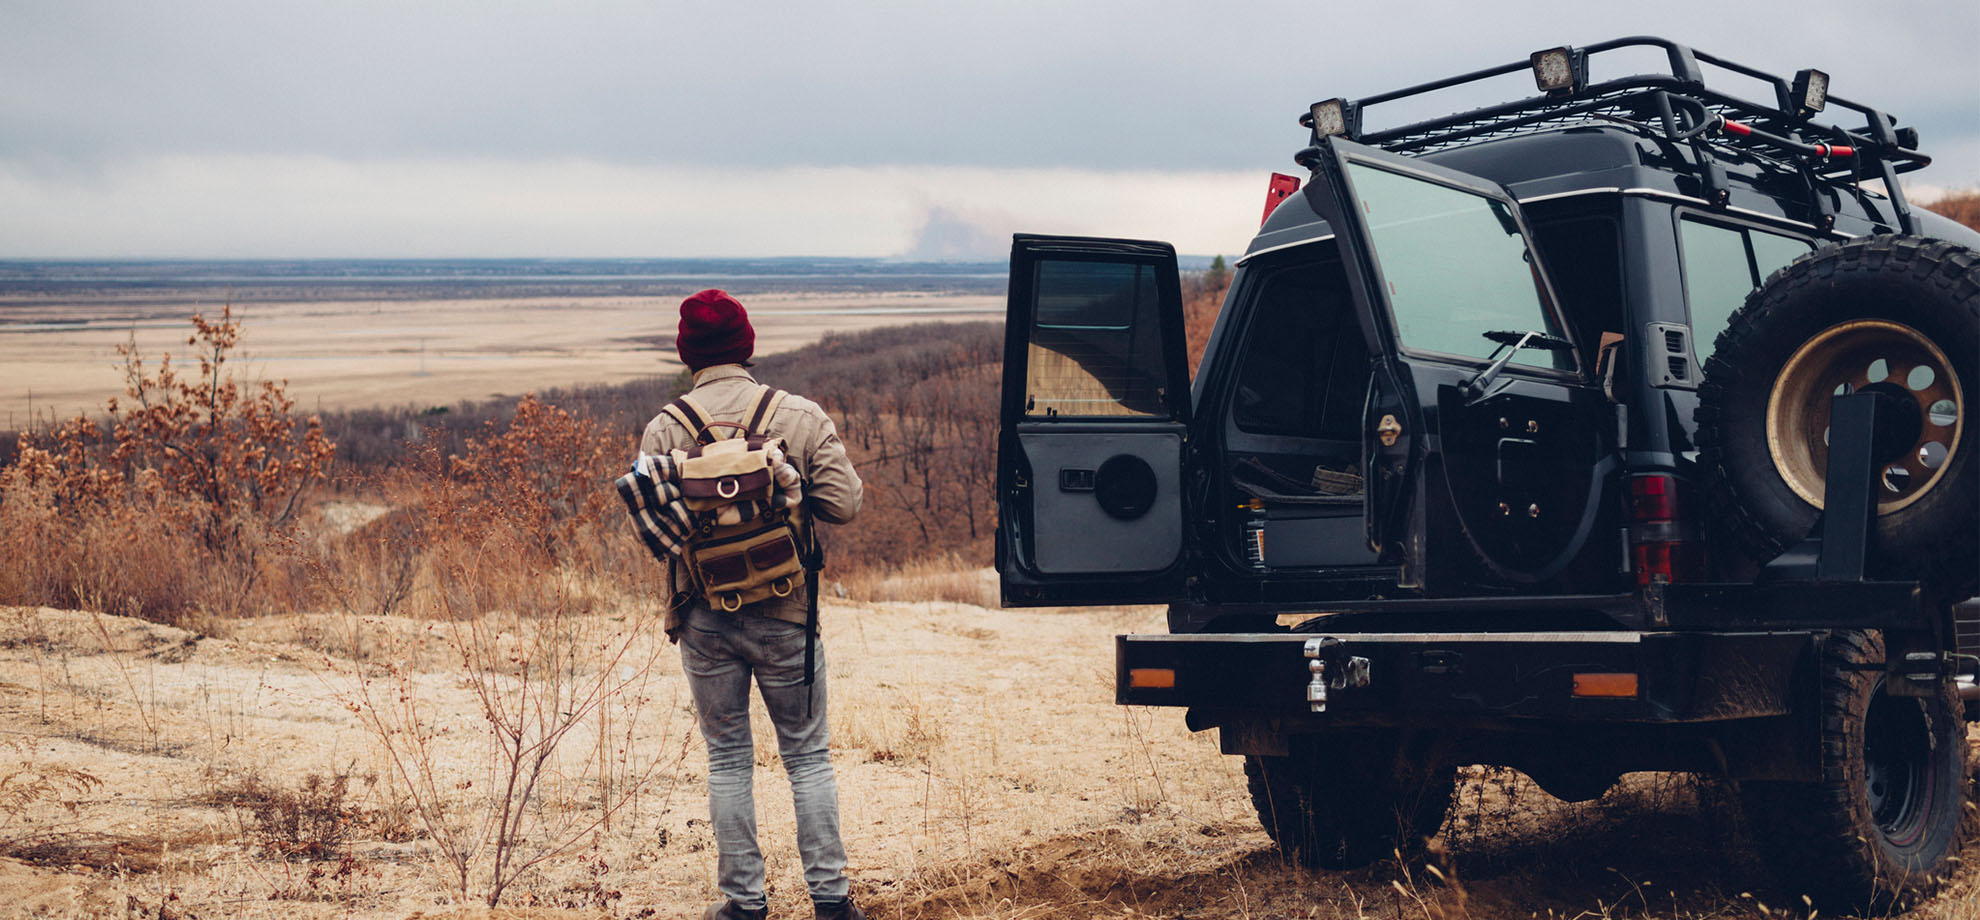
pixel 1681 677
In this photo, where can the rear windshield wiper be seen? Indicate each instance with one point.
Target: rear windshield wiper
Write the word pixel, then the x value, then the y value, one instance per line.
pixel 1509 344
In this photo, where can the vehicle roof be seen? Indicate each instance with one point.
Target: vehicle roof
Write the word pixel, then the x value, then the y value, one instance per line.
pixel 1602 158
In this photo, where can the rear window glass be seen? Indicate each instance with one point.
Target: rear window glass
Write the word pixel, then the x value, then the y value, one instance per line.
pixel 1455 265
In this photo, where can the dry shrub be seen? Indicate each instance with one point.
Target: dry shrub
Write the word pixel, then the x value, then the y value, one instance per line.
pixel 312 820
pixel 118 558
pixel 522 546
pixel 372 571
pixel 905 732
pixel 1962 206
pixel 498 801
pixel 181 502
pixel 915 405
pixel 546 475
pixel 26 784
pixel 947 579
pixel 1203 299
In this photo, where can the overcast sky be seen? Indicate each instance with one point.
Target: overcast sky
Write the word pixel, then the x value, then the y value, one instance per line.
pixel 574 129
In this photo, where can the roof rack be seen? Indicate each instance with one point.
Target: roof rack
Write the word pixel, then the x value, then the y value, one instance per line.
pixel 1674 106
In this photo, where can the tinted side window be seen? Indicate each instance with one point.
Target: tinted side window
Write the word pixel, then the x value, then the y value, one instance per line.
pixel 1721 266
pixel 1770 252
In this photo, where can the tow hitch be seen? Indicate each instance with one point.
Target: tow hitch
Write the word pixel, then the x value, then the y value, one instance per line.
pixel 1333 669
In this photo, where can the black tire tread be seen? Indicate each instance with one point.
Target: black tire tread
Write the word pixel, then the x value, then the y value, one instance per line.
pixel 1805 831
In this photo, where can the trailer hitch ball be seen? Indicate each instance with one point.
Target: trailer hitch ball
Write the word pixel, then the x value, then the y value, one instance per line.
pixel 1332 669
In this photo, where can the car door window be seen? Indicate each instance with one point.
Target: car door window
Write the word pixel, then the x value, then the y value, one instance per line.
pixel 1095 345
pixel 1456 267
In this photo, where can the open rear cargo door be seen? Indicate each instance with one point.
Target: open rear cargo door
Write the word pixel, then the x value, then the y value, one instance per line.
pixel 1489 455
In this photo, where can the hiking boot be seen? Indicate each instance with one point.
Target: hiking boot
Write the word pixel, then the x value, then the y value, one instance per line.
pixel 730 910
pixel 843 909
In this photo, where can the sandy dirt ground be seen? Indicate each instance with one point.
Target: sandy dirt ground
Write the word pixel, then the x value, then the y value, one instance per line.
pixel 984 772
pixel 420 353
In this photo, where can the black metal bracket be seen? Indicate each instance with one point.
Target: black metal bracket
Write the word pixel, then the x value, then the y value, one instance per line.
pixel 1914 658
pixel 1839 546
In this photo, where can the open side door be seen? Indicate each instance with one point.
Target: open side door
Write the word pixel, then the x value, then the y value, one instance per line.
pixel 1490 458
pixel 1094 416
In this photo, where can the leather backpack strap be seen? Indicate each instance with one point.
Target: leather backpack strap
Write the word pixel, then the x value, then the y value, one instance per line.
pixel 692 417
pixel 762 409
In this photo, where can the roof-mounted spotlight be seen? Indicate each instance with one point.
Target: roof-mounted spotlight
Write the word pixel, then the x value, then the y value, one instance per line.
pixel 1333 117
pixel 1811 91
pixel 1560 71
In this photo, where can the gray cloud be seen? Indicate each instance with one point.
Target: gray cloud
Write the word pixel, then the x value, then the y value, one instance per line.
pixel 1018 83
pixel 486 127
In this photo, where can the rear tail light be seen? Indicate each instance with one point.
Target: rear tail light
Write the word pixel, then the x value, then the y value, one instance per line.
pixel 1653 499
pixel 1663 561
pixel 1660 551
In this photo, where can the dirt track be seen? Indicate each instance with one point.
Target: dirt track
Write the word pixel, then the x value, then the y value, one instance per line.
pixel 984 772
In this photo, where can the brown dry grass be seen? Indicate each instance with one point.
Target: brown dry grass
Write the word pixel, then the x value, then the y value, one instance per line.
pixel 984 773
pixel 1962 205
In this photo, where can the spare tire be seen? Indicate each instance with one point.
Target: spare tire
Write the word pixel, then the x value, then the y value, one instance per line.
pixel 1894 314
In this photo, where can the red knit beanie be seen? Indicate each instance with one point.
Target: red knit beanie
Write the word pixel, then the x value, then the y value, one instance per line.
pixel 714 330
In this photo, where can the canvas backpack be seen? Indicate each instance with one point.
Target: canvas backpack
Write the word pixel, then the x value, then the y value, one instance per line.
pixel 744 541
pixel 729 511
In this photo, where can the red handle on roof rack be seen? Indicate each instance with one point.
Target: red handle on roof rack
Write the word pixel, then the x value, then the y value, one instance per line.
pixel 1825 151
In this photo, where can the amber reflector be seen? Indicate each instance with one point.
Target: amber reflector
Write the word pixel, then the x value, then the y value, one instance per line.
pixel 1155 678
pixel 1611 685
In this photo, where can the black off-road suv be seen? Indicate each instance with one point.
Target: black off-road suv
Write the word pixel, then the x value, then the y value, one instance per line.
pixel 1622 427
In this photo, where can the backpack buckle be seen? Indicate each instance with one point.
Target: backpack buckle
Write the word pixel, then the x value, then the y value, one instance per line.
pixel 786 582
pixel 727 488
pixel 731 603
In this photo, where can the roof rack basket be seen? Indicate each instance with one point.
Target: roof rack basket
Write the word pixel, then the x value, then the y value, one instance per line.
pixel 1675 106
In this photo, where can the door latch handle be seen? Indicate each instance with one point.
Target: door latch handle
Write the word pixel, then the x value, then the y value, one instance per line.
pixel 1387 430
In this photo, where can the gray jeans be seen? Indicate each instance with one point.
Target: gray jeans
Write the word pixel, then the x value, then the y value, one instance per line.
pixel 720 652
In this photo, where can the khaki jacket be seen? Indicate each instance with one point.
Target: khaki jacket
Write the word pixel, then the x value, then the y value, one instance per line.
pixel 832 491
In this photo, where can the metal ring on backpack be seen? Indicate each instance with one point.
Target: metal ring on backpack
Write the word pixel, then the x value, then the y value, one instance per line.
pixel 786 582
pixel 732 603
pixel 732 485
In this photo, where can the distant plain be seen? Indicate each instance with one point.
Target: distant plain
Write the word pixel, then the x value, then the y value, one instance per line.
pixel 426 334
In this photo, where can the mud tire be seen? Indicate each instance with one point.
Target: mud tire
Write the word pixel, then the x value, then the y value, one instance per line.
pixel 1350 800
pixel 1879 829
pixel 1930 286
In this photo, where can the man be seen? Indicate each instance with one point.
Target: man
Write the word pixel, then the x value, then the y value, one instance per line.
pixel 720 651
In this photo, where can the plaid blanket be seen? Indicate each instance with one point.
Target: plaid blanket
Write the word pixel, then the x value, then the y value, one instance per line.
pixel 652 493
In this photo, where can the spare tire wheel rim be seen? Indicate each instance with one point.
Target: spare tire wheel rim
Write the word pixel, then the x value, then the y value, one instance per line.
pixel 1847 358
